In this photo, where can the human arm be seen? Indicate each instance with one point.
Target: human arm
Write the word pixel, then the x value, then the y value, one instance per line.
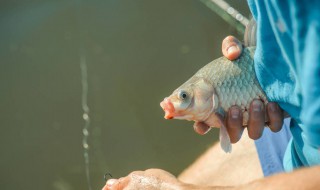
pixel 302 179
pixel 154 179
pixel 217 170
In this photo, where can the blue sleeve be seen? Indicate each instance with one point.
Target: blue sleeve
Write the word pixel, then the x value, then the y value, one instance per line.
pixel 287 65
pixel 306 38
pixel 287 59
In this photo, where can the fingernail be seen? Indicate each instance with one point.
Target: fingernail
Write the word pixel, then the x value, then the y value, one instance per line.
pixel 235 113
pixel 257 105
pixel 110 182
pixel 232 49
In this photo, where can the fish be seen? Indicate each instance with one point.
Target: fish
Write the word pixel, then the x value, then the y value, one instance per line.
pixel 206 97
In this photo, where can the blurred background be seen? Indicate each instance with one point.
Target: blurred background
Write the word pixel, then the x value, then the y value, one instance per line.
pixel 136 52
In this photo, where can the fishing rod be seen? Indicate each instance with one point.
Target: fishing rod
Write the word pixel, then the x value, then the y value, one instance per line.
pixel 228 13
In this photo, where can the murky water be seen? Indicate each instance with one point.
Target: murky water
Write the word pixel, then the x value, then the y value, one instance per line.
pixel 136 53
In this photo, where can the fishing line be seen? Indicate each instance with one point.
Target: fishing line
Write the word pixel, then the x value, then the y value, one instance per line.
pixel 85 116
pixel 223 9
pixel 84 92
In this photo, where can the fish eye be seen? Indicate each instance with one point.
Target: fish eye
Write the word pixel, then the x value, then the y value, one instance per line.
pixel 183 95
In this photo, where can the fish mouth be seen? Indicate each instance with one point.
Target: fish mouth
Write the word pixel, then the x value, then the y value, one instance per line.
pixel 168 108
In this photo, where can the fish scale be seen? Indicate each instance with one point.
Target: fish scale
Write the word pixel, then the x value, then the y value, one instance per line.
pixel 235 82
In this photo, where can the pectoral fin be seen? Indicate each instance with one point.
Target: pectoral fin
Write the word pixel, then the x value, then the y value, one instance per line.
pixel 224 138
pixel 225 142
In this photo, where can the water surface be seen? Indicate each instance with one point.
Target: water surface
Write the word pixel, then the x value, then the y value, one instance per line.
pixel 136 52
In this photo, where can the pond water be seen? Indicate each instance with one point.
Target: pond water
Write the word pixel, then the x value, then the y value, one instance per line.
pixel 136 52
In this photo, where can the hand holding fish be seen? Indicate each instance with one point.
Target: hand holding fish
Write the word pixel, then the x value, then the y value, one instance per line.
pixel 232 49
pixel 227 95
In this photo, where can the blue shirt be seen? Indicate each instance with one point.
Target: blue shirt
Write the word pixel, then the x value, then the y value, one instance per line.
pixel 287 64
pixel 271 148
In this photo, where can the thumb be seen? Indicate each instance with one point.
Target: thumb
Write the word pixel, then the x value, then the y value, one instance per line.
pixel 231 48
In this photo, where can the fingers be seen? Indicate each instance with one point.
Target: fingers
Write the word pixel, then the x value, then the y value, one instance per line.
pixel 234 124
pixel 149 179
pixel 256 122
pixel 201 128
pixel 256 119
pixel 275 115
pixel 116 184
pixel 109 184
pixel 231 48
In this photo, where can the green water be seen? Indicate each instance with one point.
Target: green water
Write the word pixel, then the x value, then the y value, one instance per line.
pixel 137 52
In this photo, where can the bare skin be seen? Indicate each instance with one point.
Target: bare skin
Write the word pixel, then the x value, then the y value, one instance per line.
pixel 155 179
pixel 301 179
pixel 206 171
pixel 216 168
pixel 226 171
pixel 237 171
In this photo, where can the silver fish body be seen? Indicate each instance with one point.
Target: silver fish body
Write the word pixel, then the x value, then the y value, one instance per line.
pixel 210 92
pixel 235 82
